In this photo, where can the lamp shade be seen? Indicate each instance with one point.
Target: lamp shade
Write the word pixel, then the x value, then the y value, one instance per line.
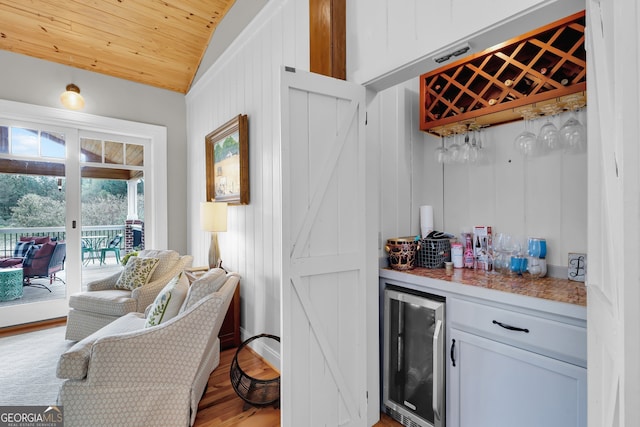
pixel 71 98
pixel 213 216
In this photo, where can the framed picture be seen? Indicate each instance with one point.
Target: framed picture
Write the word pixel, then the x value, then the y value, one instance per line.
pixel 227 159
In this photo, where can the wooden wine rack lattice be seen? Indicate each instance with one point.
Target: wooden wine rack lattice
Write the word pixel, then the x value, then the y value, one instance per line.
pixel 487 88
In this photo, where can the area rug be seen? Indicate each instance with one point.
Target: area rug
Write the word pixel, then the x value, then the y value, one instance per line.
pixel 28 367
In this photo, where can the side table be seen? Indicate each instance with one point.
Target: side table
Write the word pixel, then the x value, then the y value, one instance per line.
pixel 230 330
pixel 10 284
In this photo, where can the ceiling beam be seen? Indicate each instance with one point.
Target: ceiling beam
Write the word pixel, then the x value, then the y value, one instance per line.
pixel 327 36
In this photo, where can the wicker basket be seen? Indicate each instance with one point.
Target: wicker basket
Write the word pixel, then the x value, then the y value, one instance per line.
pixel 254 391
pixel 434 253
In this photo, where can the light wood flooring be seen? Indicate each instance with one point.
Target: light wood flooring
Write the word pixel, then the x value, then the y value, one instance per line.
pixel 221 407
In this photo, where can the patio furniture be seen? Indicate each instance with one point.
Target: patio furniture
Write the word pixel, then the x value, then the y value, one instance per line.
pixel 10 284
pixel 21 249
pixel 104 302
pixel 45 262
pixel 113 246
pixel 91 245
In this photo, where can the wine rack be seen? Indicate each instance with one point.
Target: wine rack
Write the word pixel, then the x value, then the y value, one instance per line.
pixel 537 68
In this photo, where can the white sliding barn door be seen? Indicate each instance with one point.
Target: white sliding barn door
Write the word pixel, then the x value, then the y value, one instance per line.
pixel 323 241
pixel 613 276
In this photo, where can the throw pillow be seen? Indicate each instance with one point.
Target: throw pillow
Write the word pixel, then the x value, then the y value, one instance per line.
pixel 22 248
pixel 30 255
pixel 209 283
pixel 136 273
pixel 168 302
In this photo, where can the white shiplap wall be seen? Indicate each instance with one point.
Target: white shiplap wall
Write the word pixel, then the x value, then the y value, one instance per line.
pixel 246 80
pixel 390 41
pixel 544 196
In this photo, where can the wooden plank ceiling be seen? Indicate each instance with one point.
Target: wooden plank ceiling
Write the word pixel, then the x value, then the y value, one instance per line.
pixel 154 42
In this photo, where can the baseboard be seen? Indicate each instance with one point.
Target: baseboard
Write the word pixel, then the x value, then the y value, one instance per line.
pixel 33 326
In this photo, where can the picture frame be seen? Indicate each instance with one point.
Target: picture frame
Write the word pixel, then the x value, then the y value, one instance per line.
pixel 227 162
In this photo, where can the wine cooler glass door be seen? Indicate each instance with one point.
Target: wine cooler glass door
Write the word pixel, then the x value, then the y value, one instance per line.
pixel 413 339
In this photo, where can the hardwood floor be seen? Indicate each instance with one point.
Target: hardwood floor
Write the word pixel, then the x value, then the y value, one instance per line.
pixel 221 407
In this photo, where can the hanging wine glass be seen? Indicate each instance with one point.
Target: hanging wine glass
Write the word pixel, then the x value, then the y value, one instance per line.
pixel 465 149
pixel 548 138
pixel 442 153
pixel 525 142
pixel 573 134
pixel 454 149
pixel 474 148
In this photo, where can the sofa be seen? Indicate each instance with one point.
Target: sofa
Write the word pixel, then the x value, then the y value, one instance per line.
pixel 105 300
pixel 131 374
pixel 39 257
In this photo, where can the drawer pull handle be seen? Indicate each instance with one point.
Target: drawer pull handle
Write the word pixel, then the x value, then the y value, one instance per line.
pixel 509 327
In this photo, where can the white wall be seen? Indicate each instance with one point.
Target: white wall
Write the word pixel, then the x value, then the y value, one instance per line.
pixel 246 80
pixel 391 41
pixel 543 196
pixel 38 82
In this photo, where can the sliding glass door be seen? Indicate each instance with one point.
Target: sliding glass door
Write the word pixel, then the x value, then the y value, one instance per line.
pixel 35 202
pixel 86 192
pixel 112 198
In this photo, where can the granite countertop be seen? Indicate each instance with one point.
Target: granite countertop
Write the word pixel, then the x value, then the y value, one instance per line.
pixel 549 288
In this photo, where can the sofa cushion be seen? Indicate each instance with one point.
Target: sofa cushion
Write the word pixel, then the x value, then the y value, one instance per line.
pixel 167 260
pixel 112 302
pixel 41 256
pixel 38 240
pixel 11 262
pixel 73 363
pixel 136 273
pixel 21 249
pixel 168 302
pixel 209 283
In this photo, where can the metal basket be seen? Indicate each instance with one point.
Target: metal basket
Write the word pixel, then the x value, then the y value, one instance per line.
pixel 252 390
pixel 434 253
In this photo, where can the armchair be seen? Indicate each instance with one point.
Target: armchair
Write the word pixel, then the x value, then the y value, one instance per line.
pixel 127 375
pixel 102 302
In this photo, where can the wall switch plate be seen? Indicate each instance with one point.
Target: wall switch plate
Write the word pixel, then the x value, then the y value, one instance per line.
pixel 577 270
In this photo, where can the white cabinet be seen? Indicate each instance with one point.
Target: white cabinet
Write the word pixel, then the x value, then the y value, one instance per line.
pixel 510 369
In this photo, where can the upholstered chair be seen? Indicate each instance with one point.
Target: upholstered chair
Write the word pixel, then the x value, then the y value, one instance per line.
pixel 130 373
pixel 131 290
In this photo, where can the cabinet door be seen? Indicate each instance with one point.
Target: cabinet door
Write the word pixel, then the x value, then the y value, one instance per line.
pixel 497 385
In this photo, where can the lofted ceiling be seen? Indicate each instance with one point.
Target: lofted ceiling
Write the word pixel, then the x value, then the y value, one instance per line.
pixel 155 42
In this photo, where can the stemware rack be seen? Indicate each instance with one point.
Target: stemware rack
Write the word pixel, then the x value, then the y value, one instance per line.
pixel 545 67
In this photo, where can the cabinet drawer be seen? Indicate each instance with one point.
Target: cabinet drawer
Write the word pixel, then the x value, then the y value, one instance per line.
pixel 549 337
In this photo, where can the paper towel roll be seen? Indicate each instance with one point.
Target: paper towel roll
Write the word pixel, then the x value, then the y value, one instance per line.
pixel 426 220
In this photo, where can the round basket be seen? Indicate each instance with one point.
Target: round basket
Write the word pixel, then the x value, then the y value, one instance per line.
pixel 402 252
pixel 257 392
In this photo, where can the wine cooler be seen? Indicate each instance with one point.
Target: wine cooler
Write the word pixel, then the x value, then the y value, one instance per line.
pixel 413 358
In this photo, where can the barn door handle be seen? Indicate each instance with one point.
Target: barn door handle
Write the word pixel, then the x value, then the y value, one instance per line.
pixel 511 328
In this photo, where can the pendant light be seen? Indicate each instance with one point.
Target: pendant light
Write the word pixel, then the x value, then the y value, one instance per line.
pixel 71 98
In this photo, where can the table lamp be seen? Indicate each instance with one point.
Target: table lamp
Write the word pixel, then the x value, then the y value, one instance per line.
pixel 213 218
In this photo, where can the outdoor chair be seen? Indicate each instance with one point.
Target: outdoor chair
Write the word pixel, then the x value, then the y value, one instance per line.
pixel 21 249
pixel 44 263
pixel 113 246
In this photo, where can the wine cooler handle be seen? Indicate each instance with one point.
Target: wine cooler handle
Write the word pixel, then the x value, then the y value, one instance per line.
pixel 438 373
pixel 453 355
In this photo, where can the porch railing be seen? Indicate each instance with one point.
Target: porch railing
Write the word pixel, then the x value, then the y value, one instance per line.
pixel 9 236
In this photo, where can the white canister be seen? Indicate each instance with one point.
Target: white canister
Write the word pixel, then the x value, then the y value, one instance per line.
pixel 456 255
